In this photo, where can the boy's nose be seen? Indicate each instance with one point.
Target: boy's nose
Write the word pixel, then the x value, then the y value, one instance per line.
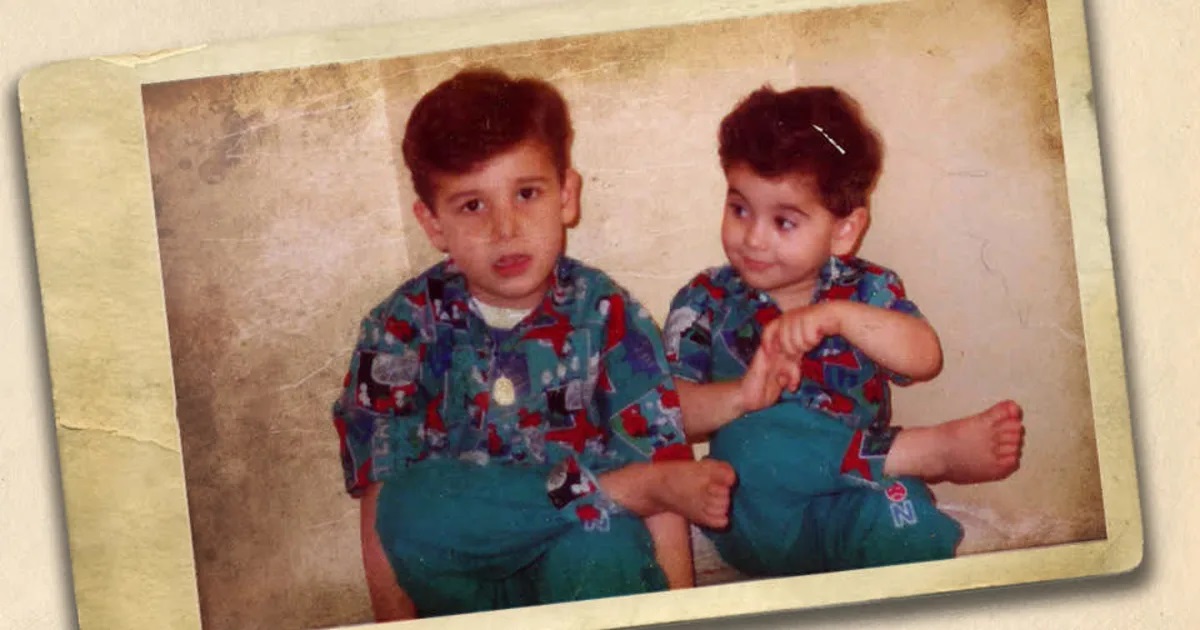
pixel 505 222
pixel 754 236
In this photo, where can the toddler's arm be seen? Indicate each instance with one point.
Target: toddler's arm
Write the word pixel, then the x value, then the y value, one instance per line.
pixel 707 407
pixel 901 343
pixel 688 337
pixel 710 406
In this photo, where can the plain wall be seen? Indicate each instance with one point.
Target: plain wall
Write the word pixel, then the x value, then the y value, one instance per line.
pixel 283 211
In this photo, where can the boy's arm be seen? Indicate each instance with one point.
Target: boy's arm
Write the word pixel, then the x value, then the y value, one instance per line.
pixel 707 407
pixel 899 342
pixel 886 326
pixel 688 337
pixel 710 406
pixel 382 405
pixel 636 399
pixel 672 548
pixel 389 602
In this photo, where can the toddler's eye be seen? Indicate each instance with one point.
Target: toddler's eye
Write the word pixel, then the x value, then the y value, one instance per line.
pixel 528 193
pixel 473 205
pixel 738 210
pixel 785 225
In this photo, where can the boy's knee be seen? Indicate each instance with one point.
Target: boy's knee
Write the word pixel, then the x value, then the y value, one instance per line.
pixel 741 441
pixel 452 594
pixel 589 564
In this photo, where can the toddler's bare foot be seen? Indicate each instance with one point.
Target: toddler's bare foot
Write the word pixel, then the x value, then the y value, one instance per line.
pixel 975 449
pixel 698 491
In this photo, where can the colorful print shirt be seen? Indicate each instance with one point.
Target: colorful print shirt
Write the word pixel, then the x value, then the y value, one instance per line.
pixel 716 322
pixel 581 383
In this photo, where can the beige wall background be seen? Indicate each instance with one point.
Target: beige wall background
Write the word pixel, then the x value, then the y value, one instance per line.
pixel 1149 145
pixel 283 217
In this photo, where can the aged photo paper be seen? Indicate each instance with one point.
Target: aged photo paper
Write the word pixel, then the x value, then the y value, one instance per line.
pixel 211 223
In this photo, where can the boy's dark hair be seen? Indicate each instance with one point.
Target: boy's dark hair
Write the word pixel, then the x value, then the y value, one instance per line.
pixel 477 114
pixel 813 131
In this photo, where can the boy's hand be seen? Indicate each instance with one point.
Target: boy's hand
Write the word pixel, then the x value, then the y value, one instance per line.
pixel 800 330
pixel 769 374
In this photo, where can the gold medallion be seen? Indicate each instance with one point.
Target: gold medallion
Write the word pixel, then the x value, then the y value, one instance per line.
pixel 503 391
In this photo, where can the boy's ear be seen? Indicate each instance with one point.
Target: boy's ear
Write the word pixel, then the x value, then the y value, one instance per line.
pixel 431 224
pixel 849 230
pixel 571 187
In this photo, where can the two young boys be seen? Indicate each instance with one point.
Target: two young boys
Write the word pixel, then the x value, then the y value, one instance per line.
pixel 510 419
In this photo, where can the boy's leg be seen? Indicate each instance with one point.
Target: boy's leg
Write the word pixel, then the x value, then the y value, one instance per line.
pixel 448 527
pixel 589 564
pixel 456 533
pixel 871 528
pixel 784 456
pixel 981 447
pixel 790 449
pixel 439 594
pixel 850 529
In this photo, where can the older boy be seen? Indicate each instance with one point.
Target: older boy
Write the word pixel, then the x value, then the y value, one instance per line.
pixel 508 416
pixel 824 483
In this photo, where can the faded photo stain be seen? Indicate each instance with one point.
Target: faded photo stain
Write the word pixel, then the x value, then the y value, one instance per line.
pixel 284 214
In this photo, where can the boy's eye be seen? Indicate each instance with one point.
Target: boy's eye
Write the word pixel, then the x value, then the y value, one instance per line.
pixel 473 205
pixel 527 193
pixel 785 224
pixel 738 210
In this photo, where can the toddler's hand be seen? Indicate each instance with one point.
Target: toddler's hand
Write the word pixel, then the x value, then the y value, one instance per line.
pixel 769 374
pixel 800 330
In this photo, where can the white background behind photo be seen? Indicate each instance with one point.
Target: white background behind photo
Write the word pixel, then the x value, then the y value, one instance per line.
pixel 1145 95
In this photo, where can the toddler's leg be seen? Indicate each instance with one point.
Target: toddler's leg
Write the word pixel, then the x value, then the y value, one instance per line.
pixel 783 456
pixel 789 451
pixel 870 528
pixel 585 565
pixel 974 449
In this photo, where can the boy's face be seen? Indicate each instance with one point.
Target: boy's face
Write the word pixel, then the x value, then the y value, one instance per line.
pixel 504 223
pixel 778 234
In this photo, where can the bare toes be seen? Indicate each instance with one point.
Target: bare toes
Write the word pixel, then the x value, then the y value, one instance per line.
pixel 1003 412
pixel 1006 450
pixel 1007 438
pixel 715 519
pixel 1010 422
pixel 716 512
pixel 725 474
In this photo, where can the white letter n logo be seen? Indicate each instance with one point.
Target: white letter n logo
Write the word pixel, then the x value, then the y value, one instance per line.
pixel 903 514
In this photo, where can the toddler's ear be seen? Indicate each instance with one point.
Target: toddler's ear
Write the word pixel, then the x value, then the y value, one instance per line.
pixel 571 187
pixel 848 232
pixel 431 224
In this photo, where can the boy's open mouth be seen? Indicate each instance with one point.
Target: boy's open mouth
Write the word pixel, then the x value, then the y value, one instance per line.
pixel 512 264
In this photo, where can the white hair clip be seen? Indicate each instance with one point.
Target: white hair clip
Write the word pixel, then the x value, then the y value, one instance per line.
pixel 831 140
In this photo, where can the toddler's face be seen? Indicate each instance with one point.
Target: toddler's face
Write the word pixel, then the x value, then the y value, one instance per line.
pixel 504 223
pixel 778 234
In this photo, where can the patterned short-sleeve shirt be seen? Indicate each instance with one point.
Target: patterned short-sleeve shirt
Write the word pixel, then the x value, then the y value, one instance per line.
pixel 581 382
pixel 716 323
